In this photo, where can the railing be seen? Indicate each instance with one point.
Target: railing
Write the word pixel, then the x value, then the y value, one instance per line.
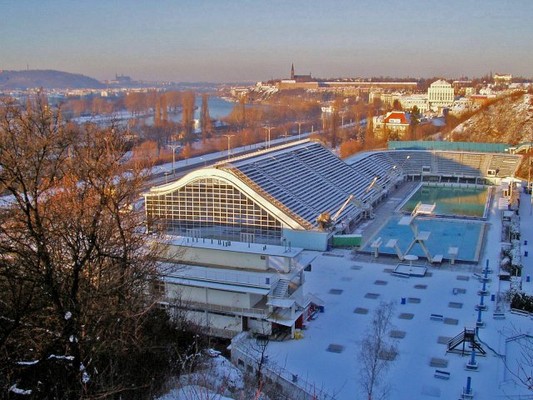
pixel 223 277
pixel 456 340
pixel 217 308
pixel 294 386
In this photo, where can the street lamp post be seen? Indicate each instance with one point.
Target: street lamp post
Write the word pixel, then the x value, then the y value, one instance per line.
pixel 229 144
pixel 268 128
pixel 299 129
pixel 173 147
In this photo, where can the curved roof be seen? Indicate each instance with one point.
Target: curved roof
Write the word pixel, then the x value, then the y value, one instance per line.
pixel 294 183
pixel 284 215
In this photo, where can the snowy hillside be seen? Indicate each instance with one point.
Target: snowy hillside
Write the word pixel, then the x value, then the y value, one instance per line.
pixel 507 121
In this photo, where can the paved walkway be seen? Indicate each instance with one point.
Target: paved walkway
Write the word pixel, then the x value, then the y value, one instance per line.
pixel 384 211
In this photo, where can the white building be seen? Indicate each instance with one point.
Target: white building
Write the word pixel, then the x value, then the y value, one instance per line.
pixel 502 78
pixel 230 287
pixel 440 95
pixel 418 100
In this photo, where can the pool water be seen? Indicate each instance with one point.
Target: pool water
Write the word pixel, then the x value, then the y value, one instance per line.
pixel 466 235
pixel 466 201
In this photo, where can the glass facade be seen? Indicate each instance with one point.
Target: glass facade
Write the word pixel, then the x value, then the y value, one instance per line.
pixel 211 208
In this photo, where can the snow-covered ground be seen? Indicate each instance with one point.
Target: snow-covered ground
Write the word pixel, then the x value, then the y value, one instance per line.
pixel 353 287
pixel 216 379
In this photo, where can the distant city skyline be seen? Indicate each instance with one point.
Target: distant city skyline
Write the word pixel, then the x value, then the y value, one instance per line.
pixel 247 40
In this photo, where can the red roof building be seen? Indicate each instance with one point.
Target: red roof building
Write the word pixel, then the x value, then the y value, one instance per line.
pixel 394 125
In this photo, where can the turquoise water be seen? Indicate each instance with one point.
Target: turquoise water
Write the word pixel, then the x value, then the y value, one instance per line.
pixel 452 201
pixel 466 235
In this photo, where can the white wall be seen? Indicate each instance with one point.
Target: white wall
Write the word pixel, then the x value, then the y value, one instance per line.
pixel 216 321
pixel 307 239
pixel 216 257
pixel 210 296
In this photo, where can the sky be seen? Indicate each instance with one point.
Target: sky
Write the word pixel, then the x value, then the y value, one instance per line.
pixel 254 40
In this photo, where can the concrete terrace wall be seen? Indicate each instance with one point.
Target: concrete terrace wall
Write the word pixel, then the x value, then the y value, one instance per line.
pixel 211 296
pixel 221 257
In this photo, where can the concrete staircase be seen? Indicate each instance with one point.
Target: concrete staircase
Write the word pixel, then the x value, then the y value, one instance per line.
pixel 281 289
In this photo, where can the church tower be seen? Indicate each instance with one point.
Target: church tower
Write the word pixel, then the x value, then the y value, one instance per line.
pixel 292 71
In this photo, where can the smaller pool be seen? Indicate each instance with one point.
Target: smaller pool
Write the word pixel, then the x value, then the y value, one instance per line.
pixel 451 199
pixel 466 235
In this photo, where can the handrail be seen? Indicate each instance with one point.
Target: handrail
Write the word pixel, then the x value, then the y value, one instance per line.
pixel 309 388
pixel 216 307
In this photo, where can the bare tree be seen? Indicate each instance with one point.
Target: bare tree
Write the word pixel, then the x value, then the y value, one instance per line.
pixel 205 119
pixel 377 352
pixel 522 367
pixel 187 120
pixel 74 267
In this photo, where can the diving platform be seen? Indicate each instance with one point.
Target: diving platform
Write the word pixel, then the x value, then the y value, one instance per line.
pixel 419 237
pixel 424 209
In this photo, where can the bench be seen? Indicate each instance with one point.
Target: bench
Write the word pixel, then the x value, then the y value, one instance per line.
pixel 519 312
pixel 498 315
pixel 436 317
pixel 437 259
pixel 439 373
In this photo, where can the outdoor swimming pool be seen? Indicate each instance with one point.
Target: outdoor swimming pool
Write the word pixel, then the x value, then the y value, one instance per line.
pixel 466 235
pixel 451 199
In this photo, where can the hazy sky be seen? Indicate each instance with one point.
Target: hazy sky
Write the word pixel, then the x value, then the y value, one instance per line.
pixel 252 40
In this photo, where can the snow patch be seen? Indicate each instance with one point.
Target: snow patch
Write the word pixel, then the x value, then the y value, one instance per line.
pixel 17 390
pixel 56 357
pixel 192 392
pixel 28 362
pixel 217 378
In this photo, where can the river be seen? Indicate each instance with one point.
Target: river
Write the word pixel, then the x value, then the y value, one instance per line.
pixel 218 107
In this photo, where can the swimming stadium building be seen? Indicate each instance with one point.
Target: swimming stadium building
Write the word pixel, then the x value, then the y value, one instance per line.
pixel 300 194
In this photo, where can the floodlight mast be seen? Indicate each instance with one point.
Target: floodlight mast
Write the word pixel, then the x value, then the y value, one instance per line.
pixel 345 204
pixel 371 184
pixel 323 218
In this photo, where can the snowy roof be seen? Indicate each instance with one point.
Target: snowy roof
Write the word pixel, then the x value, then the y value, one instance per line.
pixel 283 303
pixel 400 116
pixel 440 82
pixel 241 247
